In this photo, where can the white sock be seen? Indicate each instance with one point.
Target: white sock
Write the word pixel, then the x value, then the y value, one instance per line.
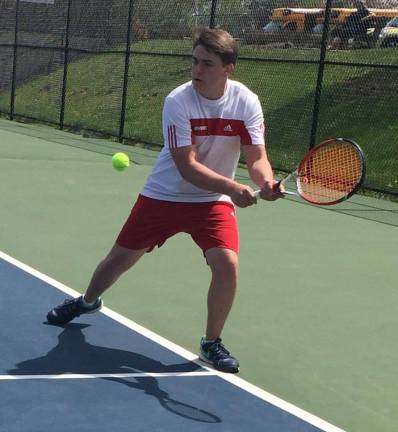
pixel 87 304
pixel 205 341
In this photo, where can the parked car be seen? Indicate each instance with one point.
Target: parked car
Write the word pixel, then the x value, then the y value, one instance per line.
pixel 388 36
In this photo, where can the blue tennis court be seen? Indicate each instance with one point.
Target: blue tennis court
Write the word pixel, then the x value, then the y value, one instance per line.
pixel 104 373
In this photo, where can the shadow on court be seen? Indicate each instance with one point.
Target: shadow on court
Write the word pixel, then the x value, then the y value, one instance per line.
pixel 74 355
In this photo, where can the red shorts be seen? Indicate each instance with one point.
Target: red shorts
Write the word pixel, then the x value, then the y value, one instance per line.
pixel 152 222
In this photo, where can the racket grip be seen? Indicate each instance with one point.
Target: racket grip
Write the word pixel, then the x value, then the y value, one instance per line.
pixel 257 193
pixel 275 188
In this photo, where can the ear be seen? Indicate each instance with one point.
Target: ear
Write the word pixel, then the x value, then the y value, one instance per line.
pixel 229 68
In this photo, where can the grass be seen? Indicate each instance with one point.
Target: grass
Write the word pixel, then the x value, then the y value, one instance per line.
pixel 356 102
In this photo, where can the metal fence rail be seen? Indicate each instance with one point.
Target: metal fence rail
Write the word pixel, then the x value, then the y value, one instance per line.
pixel 106 65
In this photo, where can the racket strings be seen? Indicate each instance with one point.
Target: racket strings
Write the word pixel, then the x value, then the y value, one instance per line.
pixel 330 172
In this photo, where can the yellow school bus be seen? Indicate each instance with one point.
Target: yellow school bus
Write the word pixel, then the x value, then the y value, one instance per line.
pixel 378 18
pixel 303 20
pixel 367 37
pixel 293 19
pixel 338 16
pixel 383 13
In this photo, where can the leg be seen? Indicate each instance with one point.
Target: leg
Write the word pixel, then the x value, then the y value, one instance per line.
pixel 224 268
pixel 108 271
pixel 140 233
pixel 224 265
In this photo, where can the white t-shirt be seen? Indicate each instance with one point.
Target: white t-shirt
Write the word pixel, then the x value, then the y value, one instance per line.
pixel 216 127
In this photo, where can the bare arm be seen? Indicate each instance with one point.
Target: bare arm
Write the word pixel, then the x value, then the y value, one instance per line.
pixel 260 171
pixel 205 178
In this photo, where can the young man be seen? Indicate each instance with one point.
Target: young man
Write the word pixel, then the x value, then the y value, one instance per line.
pixel 191 188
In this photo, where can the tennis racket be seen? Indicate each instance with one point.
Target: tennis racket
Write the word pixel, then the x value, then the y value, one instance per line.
pixel 329 173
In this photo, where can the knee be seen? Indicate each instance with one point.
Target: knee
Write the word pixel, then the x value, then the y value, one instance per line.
pixel 224 262
pixel 120 259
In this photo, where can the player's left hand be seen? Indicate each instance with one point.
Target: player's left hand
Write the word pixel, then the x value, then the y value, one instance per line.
pixel 271 191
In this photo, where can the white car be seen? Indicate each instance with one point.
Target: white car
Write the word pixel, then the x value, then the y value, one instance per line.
pixel 388 36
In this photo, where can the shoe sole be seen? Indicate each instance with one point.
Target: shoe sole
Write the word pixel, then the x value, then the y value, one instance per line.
pixel 91 311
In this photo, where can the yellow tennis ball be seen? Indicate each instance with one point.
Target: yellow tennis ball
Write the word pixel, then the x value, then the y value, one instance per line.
pixel 120 161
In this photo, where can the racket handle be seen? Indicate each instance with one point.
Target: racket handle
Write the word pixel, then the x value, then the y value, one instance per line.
pixel 257 193
pixel 275 187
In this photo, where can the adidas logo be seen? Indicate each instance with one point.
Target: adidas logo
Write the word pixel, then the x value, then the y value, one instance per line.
pixel 228 128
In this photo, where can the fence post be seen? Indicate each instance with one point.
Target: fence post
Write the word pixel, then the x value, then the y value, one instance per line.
pixel 66 60
pixel 318 90
pixel 14 63
pixel 213 13
pixel 126 72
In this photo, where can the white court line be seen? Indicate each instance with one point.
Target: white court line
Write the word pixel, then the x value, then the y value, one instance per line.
pixel 233 379
pixel 98 376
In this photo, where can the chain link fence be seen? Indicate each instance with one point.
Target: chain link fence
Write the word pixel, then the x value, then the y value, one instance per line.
pixel 106 66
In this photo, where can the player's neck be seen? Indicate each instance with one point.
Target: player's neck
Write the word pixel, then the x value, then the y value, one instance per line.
pixel 214 93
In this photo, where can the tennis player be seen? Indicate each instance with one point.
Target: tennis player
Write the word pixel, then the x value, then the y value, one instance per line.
pixel 191 189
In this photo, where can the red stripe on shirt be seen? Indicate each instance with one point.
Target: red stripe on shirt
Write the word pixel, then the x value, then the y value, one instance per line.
pixel 221 127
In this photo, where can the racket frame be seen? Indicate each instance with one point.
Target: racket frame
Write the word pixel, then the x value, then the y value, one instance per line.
pixel 304 160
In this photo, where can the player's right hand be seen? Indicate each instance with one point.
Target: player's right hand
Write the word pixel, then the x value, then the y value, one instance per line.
pixel 243 196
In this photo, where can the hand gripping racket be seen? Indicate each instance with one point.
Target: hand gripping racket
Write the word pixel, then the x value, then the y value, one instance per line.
pixel 329 173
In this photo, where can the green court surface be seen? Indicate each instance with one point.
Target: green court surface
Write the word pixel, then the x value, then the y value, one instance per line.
pixel 315 319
